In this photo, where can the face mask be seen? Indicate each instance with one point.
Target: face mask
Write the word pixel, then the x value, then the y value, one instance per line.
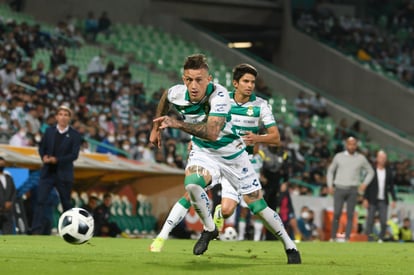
pixel 125 147
pixel 59 97
pixel 133 140
pixel 38 138
pixel 395 220
pixel 305 215
pixel 143 140
pixel 3 108
pixel 111 139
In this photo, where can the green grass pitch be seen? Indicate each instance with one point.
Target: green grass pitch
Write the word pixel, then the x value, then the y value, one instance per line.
pixel 51 255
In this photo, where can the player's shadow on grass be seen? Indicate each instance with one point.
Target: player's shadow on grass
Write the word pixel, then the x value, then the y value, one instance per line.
pixel 218 261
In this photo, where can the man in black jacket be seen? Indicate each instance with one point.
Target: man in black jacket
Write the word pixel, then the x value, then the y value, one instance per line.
pixel 376 195
pixel 58 151
pixel 7 198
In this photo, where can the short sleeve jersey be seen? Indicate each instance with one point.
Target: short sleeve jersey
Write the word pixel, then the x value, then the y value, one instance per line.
pixel 250 116
pixel 216 103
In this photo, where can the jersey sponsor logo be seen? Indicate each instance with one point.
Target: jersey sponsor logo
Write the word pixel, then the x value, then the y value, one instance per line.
pixel 246 187
pixel 220 108
pixel 220 93
pixel 255 182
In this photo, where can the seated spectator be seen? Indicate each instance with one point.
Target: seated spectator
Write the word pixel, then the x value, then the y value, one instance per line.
pixel 301 104
pixel 8 74
pixel 393 229
pixel 108 145
pixel 318 106
pixel 406 232
pixel 97 65
pixel 104 23
pixel 91 26
pixel 307 227
pixel 104 227
pixel 91 205
pixel 19 138
pixel 58 58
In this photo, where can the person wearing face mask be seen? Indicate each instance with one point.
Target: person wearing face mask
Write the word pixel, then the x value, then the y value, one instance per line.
pixel 19 138
pixel 5 124
pixel 7 198
pixel 108 145
pixel 8 75
pixel 18 115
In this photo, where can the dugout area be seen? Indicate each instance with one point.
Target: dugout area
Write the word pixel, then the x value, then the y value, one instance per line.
pixel 159 183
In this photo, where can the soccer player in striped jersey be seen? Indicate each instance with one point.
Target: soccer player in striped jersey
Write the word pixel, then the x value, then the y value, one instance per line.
pixel 217 151
pixel 249 112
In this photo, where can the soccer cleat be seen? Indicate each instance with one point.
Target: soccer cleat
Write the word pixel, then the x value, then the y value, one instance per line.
pixel 202 244
pixel 293 256
pixel 218 218
pixel 157 244
pixel 125 235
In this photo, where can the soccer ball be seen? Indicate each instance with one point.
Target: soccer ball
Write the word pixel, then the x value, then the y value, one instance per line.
pixel 76 226
pixel 229 234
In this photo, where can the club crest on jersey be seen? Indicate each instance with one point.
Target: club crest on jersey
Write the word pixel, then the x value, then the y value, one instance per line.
pixel 250 111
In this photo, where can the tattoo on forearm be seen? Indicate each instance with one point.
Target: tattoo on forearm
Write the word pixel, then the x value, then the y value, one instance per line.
pixel 205 130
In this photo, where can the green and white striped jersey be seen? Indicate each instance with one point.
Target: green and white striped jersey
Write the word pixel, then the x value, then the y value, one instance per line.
pixel 216 103
pixel 250 115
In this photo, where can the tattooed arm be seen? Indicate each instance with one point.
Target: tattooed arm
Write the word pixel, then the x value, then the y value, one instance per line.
pixel 207 130
pixel 162 109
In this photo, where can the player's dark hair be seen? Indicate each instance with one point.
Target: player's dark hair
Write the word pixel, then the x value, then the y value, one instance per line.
pixel 242 69
pixel 195 62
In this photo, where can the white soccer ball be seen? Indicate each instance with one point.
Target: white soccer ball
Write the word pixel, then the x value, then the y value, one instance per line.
pixel 76 226
pixel 229 234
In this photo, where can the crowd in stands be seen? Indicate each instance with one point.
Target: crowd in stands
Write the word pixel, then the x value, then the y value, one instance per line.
pixel 383 39
pixel 110 107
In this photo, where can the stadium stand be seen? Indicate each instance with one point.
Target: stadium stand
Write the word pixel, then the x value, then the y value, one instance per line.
pixel 139 62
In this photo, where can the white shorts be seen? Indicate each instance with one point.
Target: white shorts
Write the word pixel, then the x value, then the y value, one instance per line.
pixel 239 172
pixel 227 191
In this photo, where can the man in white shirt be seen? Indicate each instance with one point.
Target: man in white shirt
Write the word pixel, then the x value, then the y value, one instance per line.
pixel 376 196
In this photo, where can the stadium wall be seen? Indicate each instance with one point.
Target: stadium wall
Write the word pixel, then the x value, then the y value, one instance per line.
pixel 343 78
pixel 282 82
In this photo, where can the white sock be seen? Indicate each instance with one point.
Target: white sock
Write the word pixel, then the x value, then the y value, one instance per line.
pixel 175 216
pixel 258 227
pixel 201 204
pixel 274 224
pixel 242 229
